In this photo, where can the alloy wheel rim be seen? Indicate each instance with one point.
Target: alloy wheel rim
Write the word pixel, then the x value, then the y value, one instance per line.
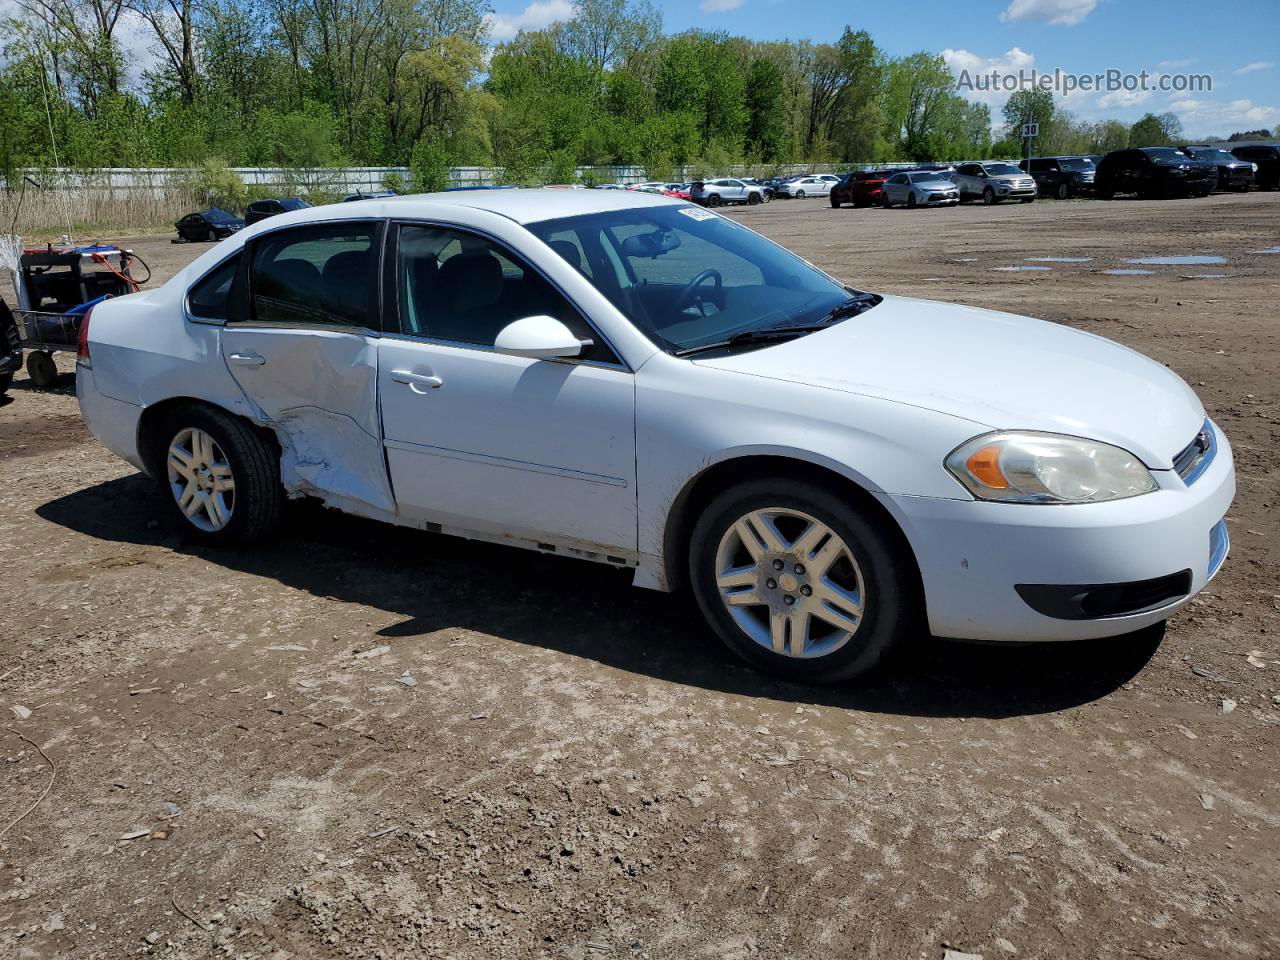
pixel 790 583
pixel 201 480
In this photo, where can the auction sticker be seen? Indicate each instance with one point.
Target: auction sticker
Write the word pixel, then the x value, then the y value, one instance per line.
pixel 698 213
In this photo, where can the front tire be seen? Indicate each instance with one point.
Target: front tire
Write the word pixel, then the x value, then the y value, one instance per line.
pixel 797 582
pixel 220 477
pixel 799 194
pixel 988 196
pixel 911 200
pixel 1064 191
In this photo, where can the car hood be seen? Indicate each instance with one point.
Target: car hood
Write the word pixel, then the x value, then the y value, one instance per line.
pixel 996 369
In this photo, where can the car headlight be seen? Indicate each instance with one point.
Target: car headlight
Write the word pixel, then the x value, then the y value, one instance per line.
pixel 1029 467
pixel 1255 167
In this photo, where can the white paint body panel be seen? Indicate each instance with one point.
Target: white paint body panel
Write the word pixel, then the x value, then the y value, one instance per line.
pixel 592 458
pixel 512 446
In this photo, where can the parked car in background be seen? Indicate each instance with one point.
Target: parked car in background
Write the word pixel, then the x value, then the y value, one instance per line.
pixel 681 191
pixel 808 186
pixel 270 207
pixel 1061 177
pixel 1233 173
pixel 993 181
pixel 1267 159
pixel 713 193
pixel 862 469
pixel 212 224
pixel 649 186
pixel 862 189
pixel 919 188
pixel 762 184
pixel 1153 172
pixel 368 195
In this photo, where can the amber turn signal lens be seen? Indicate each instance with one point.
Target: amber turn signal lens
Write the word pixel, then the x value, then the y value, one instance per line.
pixel 985 465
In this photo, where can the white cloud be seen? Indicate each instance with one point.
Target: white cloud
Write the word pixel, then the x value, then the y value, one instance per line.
pixel 1010 62
pixel 1255 66
pixel 720 6
pixel 1236 114
pixel 1062 13
pixel 536 16
pixel 1123 98
pixel 1176 64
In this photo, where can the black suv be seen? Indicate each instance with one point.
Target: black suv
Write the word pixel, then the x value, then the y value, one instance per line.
pixel 1153 172
pixel 270 207
pixel 1267 157
pixel 1233 173
pixel 1061 177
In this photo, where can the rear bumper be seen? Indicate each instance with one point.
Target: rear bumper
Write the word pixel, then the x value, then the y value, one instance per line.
pixel 114 422
pixel 975 556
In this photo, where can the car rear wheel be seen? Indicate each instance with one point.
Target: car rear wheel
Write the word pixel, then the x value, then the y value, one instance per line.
pixel 835 204
pixel 1105 193
pixel 1064 191
pixel 797 582
pixel 885 201
pixel 219 476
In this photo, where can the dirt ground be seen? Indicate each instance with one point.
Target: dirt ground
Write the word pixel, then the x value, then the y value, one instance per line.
pixel 363 742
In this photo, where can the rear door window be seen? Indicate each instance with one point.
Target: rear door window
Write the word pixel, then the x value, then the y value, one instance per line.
pixel 322 275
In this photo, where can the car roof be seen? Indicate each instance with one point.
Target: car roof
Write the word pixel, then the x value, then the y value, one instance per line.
pixel 522 206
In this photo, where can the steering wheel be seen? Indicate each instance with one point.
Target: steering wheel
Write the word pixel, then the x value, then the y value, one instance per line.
pixel 690 291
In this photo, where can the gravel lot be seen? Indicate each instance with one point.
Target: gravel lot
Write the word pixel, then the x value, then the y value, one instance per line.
pixel 358 741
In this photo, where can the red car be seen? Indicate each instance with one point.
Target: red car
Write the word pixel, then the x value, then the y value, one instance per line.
pixel 681 191
pixel 861 189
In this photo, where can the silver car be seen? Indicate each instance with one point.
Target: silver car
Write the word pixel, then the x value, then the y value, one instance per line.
pixel 993 182
pixel 815 185
pixel 712 193
pixel 921 188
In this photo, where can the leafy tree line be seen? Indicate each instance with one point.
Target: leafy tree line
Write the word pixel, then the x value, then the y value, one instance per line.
pixel 313 83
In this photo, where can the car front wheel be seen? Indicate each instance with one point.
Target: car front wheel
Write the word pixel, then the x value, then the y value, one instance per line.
pixel 219 476
pixel 988 196
pixel 797 582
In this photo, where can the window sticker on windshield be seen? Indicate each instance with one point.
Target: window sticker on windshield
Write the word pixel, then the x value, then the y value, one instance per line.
pixel 697 213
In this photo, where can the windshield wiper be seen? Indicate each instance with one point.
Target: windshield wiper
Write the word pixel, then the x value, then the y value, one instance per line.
pixel 851 307
pixel 751 337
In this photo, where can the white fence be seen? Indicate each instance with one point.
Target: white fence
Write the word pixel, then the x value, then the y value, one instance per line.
pixel 348 179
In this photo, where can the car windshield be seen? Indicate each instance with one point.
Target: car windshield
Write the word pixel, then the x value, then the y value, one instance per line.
pixel 1164 154
pixel 1001 169
pixel 690 279
pixel 1217 156
pixel 217 215
pixel 1076 163
pixel 294 203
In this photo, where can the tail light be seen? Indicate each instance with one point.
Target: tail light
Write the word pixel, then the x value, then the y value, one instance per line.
pixel 82 343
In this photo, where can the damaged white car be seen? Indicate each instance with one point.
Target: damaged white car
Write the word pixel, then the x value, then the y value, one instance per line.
pixel 637 381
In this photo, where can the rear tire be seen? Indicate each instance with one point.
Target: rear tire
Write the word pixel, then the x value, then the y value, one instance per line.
pixel 885 201
pixel 41 369
pixel 238 453
pixel 850 569
pixel 6 381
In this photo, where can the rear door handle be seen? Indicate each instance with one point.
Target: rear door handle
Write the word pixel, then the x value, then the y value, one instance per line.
pixel 417 381
pixel 247 359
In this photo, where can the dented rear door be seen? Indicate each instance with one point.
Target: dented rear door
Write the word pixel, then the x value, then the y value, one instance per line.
pixel 305 351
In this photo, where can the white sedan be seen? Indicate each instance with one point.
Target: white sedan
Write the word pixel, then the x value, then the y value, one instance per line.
pixel 640 382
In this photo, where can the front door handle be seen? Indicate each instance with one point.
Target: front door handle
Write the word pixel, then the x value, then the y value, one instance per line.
pixel 417 381
pixel 247 359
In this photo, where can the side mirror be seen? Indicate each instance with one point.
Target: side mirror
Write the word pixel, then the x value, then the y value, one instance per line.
pixel 540 337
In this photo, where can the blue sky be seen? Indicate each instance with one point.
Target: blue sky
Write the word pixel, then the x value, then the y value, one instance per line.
pixel 1237 42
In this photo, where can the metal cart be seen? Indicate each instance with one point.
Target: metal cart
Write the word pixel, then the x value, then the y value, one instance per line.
pixel 62 285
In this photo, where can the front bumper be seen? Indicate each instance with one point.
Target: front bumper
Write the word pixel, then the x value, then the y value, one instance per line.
pixel 973 555
pixel 1004 192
